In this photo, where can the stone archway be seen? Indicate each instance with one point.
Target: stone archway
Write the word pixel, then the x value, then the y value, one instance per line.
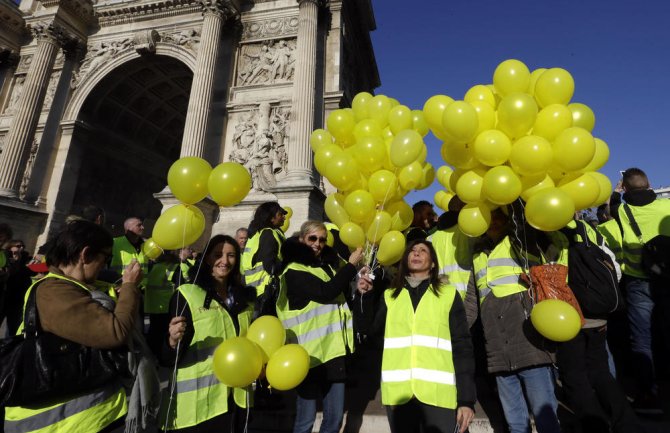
pixel 129 130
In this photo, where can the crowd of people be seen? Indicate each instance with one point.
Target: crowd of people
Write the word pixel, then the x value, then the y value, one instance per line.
pixel 452 310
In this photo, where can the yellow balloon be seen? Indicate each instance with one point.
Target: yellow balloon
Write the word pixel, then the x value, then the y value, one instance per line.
pixel 289 211
pixel 179 226
pixel 187 179
pixel 324 156
pixel 342 172
pixel 406 147
pixel 367 128
pixel 334 207
pixel 460 121
pixel 379 226
pixel 469 186
pixel 229 183
pixel 443 174
pixel 433 109
pixel 501 185
pixel 387 134
pixel 399 118
pixel 401 215
pixel 531 155
pixel 556 320
pixel 410 176
pixel 288 367
pixel 460 155
pixel 151 249
pixel 583 189
pixel 511 76
pixel 554 86
pixel 319 138
pixel 369 153
pixel 378 109
pixel 550 209
pixel 486 116
pixel 360 205
pixel 533 80
pixel 600 157
pixel 552 120
pixel 533 184
pixel 516 114
pixel 268 332
pixel 492 147
pixel 340 124
pixel 453 179
pixel 419 123
pixel 382 185
pixel 427 176
pixel 237 362
pixel 391 248
pixel 480 93
pixel 422 155
pixel 352 235
pixel 360 105
pixel 582 116
pixel 605 187
pixel 287 223
pixel 394 102
pixel 574 149
pixel 442 199
pixel 474 219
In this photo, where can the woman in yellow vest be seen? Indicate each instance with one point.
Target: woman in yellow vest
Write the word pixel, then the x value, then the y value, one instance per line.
pixel 314 311
pixel 66 308
pixel 428 363
pixel 203 314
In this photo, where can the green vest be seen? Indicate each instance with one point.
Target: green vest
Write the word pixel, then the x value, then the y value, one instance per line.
pixel 90 412
pixel 454 257
pixel 417 360
pixel 653 221
pixel 199 396
pixel 325 331
pixel 122 254
pixel 254 273
pixel 611 231
pixel 159 288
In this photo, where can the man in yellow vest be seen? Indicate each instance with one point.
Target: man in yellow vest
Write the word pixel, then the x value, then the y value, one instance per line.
pixel 645 298
pixel 129 247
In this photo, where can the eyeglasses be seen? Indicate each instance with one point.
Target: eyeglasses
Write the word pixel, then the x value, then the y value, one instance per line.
pixel 314 238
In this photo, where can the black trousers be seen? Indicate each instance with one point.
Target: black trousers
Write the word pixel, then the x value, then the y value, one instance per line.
pixel 417 417
pixel 592 393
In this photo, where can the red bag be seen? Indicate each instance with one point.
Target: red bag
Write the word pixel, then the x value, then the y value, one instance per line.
pixel 549 281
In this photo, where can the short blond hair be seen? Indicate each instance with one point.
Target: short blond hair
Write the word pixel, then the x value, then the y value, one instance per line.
pixel 310 226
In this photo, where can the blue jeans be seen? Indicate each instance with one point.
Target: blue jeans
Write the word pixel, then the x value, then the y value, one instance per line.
pixel 538 382
pixel 640 309
pixel 333 410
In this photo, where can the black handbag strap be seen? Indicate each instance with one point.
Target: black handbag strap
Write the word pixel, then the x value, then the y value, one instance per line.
pixel 31 320
pixel 633 223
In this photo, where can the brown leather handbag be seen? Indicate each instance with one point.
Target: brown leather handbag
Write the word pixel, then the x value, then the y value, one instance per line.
pixel 549 281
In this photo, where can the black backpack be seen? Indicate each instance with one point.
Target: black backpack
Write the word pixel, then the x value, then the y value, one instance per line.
pixel 655 252
pixel 592 274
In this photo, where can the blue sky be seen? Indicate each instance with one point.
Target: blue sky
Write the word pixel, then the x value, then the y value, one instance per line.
pixel 617 51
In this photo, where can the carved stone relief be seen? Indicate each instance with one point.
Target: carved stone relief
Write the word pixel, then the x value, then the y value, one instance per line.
pixel 97 55
pixel 29 168
pixel 189 39
pixel 283 26
pixel 259 143
pixel 51 90
pixel 17 91
pixel 266 63
pixel 24 63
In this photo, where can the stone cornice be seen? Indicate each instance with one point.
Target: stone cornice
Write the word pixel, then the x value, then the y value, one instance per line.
pixel 11 19
pixel 222 8
pixel 81 9
pixel 121 13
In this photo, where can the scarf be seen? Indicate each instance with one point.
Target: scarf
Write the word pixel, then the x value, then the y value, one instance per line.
pixel 144 385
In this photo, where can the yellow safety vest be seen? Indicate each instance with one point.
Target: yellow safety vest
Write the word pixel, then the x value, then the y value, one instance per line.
pixel 417 360
pixel 454 256
pixel 652 219
pixel 611 231
pixel 199 394
pixel 254 273
pixel 325 331
pixel 160 288
pixel 85 413
pixel 123 252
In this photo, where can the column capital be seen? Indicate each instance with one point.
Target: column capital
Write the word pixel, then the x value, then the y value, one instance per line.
pixel 53 33
pixel 221 8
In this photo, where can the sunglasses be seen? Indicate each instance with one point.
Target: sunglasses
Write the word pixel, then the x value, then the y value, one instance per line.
pixel 314 238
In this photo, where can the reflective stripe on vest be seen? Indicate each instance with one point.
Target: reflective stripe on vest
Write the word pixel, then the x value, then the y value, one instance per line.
pixel 652 221
pixel 255 274
pixel 324 330
pixel 123 252
pixel 454 257
pixel 199 395
pixel 417 360
pixel 159 288
pixel 87 412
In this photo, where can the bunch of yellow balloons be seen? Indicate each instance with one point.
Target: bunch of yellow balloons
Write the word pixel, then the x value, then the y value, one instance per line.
pixel 239 361
pixel 374 154
pixel 518 137
pixel 191 179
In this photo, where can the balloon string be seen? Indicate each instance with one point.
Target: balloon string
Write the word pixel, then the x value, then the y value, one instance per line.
pixel 370 248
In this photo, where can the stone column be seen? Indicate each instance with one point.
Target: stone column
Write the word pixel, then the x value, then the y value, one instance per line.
pixel 22 129
pixel 199 104
pixel 304 81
